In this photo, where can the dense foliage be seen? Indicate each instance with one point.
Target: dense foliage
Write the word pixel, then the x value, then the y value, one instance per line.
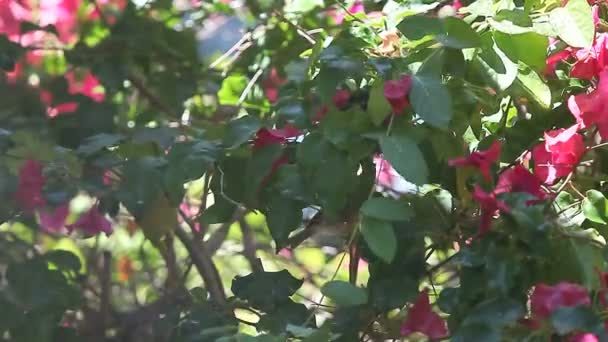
pixel 345 171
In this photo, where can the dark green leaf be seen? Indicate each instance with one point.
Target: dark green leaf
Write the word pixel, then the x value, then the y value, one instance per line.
pixel 417 26
pixel 344 293
pixel 458 34
pixel 387 209
pixel 64 260
pixel 283 216
pixel 265 290
pixel 380 237
pixel 431 100
pixel 99 142
pixel 405 156
pixel 568 319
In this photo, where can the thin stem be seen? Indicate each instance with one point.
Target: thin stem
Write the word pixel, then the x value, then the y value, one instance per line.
pixel 597 146
pixel 249 86
pixel 203 262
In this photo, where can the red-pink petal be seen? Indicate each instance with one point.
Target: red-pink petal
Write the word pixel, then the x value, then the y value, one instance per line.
pixel 422 319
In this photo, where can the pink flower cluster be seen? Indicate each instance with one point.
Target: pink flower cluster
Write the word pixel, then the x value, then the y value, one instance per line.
pixel 546 299
pixel 65 16
pixel 513 180
pixel 29 196
pixel 396 93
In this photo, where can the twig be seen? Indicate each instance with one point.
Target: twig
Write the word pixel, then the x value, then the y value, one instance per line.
pixel 245 38
pixel 298 29
pixel 205 267
pixel 154 100
pixel 105 278
pixel 249 86
pixel 597 146
pixel 249 250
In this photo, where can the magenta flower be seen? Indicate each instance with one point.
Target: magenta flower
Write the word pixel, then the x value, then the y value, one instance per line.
pixel 341 98
pixel 583 337
pixel 92 223
pixel 338 16
pixel 88 85
pixel 519 179
pixel 270 136
pixel 63 14
pixel 481 160
pixel 53 221
pixel 546 299
pixel 396 92
pixel 422 319
pixel 559 154
pixel 30 186
pixel 385 174
pixel 12 13
pixel 490 206
pixel 592 108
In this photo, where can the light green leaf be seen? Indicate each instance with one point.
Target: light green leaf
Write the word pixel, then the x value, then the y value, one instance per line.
pixel 378 107
pixel 495 66
pixel 405 156
pixel 529 48
pixel 595 207
pixel 344 293
pixel 431 100
pixel 232 88
pixel 534 87
pixel 387 209
pixel 574 23
pixel 380 237
pixel 301 6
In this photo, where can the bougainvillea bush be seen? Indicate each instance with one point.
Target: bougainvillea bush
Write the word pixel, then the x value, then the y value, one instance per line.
pixel 345 171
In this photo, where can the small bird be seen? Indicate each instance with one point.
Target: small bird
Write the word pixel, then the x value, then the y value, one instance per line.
pixel 323 231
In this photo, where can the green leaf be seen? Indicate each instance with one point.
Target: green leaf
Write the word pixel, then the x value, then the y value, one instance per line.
pixel 380 237
pixel 26 26
pixel 458 34
pixel 405 156
pixel 64 260
pixel 574 23
pixel 301 6
pixel 99 142
pixel 496 312
pixel 265 290
pixel 418 26
pixel 529 48
pixel 568 319
pixel 240 130
pixel 378 107
pixel 283 216
pixel 344 293
pixel 232 88
pixel 534 87
pixel 450 32
pixel 431 100
pixel 387 209
pixel 10 52
pixel 595 207
pixel 495 66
